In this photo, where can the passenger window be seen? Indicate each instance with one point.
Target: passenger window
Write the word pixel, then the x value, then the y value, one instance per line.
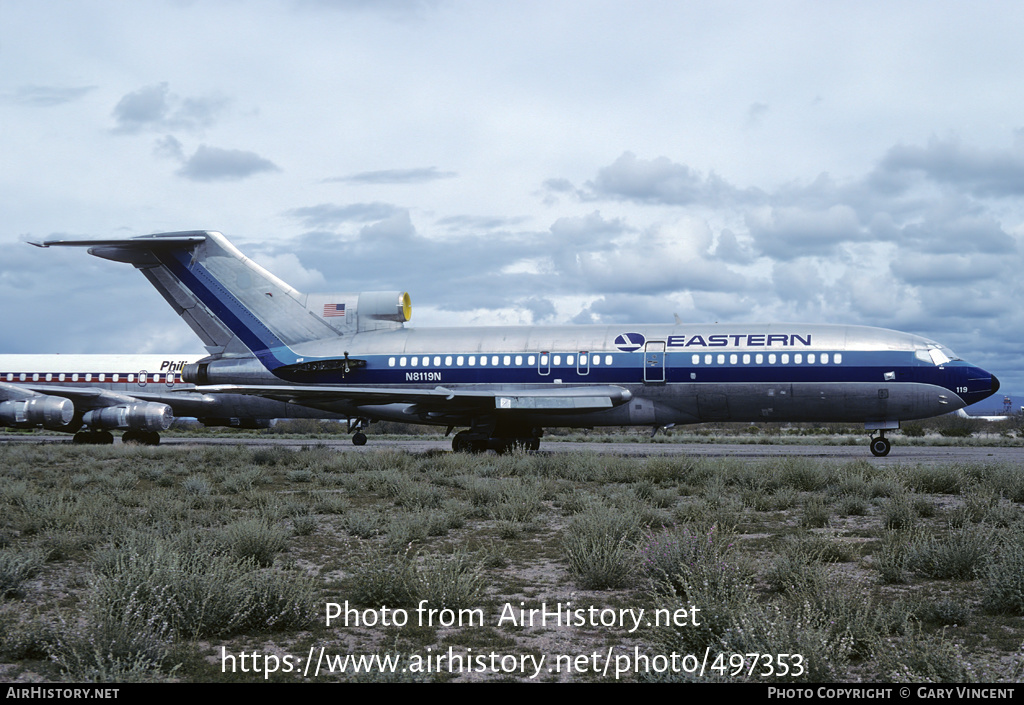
pixel 759 358
pixel 746 359
pixel 558 360
pixel 721 359
pixel 568 359
pixel 519 360
pixel 531 360
pixel 838 357
pixel 391 363
pixel 472 360
pixel 448 361
pixel 785 358
pixel 401 362
pixel 415 362
pixel 607 359
pixel 507 360
pixel 695 359
pixel 798 358
pixel 459 360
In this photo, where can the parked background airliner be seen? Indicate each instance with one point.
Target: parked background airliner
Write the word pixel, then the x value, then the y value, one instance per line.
pixel 139 394
pixel 352 355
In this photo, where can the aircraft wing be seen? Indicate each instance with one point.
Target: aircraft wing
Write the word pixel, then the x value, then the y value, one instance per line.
pixel 83 397
pixel 443 399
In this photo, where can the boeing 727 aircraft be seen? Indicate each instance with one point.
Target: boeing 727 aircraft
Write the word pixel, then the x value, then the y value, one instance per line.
pixel 352 355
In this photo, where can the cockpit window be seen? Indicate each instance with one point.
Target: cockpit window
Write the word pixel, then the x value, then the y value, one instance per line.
pixel 936 354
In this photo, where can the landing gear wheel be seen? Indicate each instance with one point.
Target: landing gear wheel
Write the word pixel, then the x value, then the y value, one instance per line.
pixel 462 443
pixel 95 438
pixel 142 438
pixel 359 439
pixel 880 447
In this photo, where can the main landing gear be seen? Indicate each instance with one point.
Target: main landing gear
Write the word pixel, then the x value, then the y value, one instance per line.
pixel 880 445
pixel 479 442
pixel 94 438
pixel 142 438
pixel 106 438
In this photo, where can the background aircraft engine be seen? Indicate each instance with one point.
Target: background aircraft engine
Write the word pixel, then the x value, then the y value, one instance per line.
pixel 143 416
pixel 50 412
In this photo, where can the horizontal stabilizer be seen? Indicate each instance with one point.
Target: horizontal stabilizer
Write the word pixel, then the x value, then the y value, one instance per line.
pixel 145 242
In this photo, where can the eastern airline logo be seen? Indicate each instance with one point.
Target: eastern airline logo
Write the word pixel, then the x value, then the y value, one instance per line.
pixel 630 342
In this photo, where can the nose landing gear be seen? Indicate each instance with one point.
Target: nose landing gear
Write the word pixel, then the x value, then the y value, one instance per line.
pixel 355 427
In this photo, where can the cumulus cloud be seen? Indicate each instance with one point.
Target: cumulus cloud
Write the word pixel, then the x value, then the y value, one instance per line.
pixel 215 164
pixel 786 232
pixel 155 108
pixel 661 181
pixel 984 173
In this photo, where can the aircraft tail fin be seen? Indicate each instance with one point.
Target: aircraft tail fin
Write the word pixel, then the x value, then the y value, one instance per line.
pixel 233 304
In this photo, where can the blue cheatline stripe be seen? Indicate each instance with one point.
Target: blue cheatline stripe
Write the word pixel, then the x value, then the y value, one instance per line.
pixel 223 304
pixel 629 369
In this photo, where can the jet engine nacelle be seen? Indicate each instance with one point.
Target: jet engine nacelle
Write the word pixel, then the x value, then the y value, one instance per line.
pixel 142 416
pixel 53 413
pixel 386 305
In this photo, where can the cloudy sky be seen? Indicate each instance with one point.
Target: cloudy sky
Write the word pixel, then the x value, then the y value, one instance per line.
pixel 527 162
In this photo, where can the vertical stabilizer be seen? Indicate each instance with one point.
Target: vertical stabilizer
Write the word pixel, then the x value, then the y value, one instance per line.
pixel 234 305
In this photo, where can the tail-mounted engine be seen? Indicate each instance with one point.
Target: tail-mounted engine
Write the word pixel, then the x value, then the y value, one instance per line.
pixel 370 310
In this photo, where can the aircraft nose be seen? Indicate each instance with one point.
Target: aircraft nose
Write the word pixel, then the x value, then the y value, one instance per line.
pixel 995 384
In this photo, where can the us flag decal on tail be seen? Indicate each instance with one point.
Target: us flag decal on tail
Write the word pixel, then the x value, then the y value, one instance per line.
pixel 334 310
